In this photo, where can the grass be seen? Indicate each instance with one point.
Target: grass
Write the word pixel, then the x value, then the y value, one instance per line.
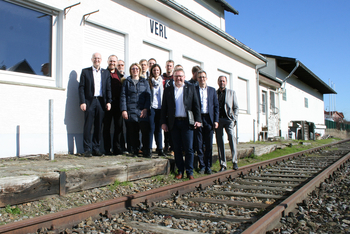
pixel 12 210
pixel 281 152
pixel 117 183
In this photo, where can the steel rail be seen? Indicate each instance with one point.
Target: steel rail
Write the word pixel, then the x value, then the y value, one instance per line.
pixel 272 218
pixel 66 219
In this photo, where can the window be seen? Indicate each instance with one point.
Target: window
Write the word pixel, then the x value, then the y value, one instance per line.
pixel 284 95
pixel 109 42
pixel 25 42
pixel 306 102
pixel 187 64
pixel 272 100
pixel 242 93
pixel 263 102
pixel 158 53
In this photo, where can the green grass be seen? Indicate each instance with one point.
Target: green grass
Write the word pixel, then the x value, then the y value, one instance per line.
pixel 117 183
pixel 287 150
pixel 12 210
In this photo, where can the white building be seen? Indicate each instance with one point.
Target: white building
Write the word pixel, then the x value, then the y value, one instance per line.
pixel 45 44
pixel 290 95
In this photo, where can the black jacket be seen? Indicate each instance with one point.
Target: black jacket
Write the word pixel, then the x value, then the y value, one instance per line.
pixel 191 102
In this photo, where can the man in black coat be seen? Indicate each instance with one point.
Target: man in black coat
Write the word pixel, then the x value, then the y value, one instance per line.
pixel 115 113
pixel 95 97
pixel 178 100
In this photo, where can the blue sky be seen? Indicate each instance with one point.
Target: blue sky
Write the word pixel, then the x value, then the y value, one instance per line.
pixel 317 33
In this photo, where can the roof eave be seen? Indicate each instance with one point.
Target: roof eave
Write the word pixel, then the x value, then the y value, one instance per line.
pixel 227 7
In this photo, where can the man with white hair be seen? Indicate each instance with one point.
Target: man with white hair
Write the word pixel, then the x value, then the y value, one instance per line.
pixel 95 98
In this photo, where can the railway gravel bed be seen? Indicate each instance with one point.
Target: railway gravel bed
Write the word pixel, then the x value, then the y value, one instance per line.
pixel 224 207
pixel 325 210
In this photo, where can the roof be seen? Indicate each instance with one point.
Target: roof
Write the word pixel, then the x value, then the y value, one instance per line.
pixel 302 72
pixel 227 6
pixel 188 19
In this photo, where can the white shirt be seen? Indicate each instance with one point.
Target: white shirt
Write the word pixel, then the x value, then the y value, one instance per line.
pixel 179 102
pixel 157 103
pixel 98 81
pixel 203 93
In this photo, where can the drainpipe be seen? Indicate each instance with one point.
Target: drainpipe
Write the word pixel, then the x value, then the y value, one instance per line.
pixel 284 87
pixel 290 74
pixel 258 97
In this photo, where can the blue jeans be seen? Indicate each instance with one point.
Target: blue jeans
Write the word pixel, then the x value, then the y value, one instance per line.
pixel 219 133
pixel 156 128
pixel 182 137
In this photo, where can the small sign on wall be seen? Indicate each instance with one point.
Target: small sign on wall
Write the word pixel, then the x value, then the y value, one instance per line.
pixel 157 30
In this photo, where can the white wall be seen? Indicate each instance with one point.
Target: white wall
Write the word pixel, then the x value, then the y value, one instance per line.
pixel 27 106
pixel 294 107
pixel 208 10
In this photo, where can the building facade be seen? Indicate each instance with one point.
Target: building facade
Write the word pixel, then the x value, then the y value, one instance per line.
pixel 48 42
pixel 295 98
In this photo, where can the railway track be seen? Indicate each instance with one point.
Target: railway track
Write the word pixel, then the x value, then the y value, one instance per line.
pixel 249 200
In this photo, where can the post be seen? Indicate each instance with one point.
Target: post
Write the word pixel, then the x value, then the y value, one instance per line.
pixel 254 130
pixel 18 139
pixel 51 149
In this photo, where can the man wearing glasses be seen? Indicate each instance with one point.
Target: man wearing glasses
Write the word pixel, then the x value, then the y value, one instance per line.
pixel 179 101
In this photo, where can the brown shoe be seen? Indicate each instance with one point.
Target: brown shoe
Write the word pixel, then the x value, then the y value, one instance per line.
pixel 178 176
pixel 190 177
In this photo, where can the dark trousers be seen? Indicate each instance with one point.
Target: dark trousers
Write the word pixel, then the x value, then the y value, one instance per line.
pixel 133 129
pixel 116 115
pixel 182 137
pixel 204 136
pixel 156 128
pixel 93 116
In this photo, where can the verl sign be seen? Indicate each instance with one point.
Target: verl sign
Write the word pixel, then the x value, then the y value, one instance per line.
pixel 157 29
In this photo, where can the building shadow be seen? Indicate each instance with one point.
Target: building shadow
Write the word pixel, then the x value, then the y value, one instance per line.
pixel 74 117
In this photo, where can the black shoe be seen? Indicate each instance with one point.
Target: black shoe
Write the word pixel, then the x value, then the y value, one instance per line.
pixel 87 153
pixel 147 153
pixel 202 170
pixel 208 171
pixel 161 152
pixel 96 153
pixel 222 169
pixel 109 153
pixel 117 152
pixel 135 153
pixel 235 166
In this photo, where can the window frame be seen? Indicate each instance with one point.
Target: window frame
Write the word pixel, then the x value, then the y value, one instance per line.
pixel 306 102
pixel 54 80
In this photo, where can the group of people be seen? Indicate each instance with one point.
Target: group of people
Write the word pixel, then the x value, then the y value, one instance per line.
pixel 148 102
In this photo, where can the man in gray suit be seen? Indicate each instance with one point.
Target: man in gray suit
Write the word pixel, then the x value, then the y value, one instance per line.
pixel 228 114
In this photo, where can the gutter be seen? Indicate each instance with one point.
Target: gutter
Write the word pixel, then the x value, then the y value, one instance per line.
pixel 213 28
pixel 258 96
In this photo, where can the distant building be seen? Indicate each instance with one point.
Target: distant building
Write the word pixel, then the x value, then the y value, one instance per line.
pixel 293 95
pixel 334 116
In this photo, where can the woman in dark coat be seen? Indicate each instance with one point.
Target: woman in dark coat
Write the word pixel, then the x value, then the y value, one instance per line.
pixel 135 102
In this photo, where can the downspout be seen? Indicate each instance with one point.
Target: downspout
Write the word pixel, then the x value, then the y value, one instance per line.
pixel 283 90
pixel 258 97
pixel 290 74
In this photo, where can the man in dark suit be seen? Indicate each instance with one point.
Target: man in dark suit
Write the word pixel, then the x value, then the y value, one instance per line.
pixel 210 121
pixel 228 114
pixel 95 97
pixel 115 113
pixel 178 100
